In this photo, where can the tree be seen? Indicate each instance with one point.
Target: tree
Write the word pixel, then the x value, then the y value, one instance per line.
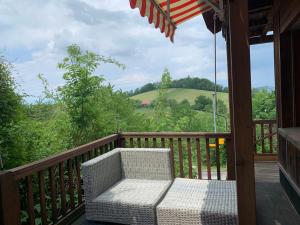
pixel 203 103
pixel 82 87
pixel 161 103
pixel 221 108
pixel 264 105
pixel 10 114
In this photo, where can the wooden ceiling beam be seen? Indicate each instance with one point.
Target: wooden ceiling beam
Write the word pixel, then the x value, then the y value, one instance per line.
pixel 261 40
pixel 261 9
pixel 289 13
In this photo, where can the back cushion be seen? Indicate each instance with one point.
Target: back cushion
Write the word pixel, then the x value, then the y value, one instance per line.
pixel 151 164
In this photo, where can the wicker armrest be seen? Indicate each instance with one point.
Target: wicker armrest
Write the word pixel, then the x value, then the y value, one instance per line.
pixel 145 163
pixel 101 173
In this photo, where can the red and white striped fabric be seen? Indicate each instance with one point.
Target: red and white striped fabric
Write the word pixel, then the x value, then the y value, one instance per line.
pixel 180 11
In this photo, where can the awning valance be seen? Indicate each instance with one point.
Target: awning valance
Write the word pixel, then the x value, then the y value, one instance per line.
pixel 167 17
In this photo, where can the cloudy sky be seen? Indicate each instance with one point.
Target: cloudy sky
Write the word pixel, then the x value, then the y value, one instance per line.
pixel 34 35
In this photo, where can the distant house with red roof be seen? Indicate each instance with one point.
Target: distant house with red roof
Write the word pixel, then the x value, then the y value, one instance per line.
pixel 145 102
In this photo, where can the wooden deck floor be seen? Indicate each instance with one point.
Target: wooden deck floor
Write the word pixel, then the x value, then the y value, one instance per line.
pixel 273 206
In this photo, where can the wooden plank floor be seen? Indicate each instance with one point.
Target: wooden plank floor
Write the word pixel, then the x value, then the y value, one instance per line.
pixel 273 206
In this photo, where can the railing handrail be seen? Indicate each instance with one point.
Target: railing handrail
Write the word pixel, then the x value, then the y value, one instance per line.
pixel 266 121
pixel 36 166
pixel 226 135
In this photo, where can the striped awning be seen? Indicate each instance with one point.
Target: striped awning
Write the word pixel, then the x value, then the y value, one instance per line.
pixel 157 12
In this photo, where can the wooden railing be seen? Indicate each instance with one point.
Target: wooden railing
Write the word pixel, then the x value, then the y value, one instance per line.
pixel 265 139
pixel 194 154
pixel 50 191
pixel 289 153
pixel 289 163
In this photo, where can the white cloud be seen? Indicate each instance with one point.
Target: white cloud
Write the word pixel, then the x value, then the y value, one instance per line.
pixel 36 34
pixel 132 80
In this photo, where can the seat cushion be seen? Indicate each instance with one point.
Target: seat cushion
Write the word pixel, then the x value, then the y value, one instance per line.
pixel 130 201
pixel 199 202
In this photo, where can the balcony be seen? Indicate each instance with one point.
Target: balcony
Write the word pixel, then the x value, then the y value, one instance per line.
pixel 50 191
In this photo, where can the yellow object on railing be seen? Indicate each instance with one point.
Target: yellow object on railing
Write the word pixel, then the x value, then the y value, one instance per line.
pixel 221 142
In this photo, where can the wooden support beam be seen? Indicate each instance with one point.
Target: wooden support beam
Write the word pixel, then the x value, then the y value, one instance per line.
pixel 287 80
pixel 261 40
pixel 231 173
pixel 242 110
pixel 277 69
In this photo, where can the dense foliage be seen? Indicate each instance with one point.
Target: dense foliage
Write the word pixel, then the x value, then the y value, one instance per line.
pixel 10 114
pixel 188 82
pixel 81 110
pixel 263 101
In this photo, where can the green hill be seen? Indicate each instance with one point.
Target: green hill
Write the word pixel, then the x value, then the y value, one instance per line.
pixel 179 94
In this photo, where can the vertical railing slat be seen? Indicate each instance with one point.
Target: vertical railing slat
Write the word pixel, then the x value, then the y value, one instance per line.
pixel 95 152
pixel 163 145
pixel 30 201
pixel 79 195
pixel 208 165
pixel 90 155
pixel 71 183
pixel 53 193
pixel 131 142
pixel 172 155
pixel 254 138
pixel 115 143
pixel 62 189
pixel 180 158
pixel 262 133
pixel 190 158
pixel 271 137
pixel 154 143
pixel 102 150
pixel 199 162
pixel 42 194
pixel 218 159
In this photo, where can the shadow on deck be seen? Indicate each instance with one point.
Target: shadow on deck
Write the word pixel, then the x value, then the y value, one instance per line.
pixel 273 206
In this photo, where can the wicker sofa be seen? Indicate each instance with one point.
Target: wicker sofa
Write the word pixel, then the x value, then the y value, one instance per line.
pixel 125 185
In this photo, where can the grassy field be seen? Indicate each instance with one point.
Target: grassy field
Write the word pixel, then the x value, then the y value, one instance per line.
pixel 179 94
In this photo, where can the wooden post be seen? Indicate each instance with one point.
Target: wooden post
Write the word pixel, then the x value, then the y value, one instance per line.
pixel 9 200
pixel 277 69
pixel 296 72
pixel 230 160
pixel 231 174
pixel 242 110
pixel 121 141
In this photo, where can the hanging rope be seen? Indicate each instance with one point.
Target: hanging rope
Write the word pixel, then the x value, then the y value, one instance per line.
pixel 215 61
